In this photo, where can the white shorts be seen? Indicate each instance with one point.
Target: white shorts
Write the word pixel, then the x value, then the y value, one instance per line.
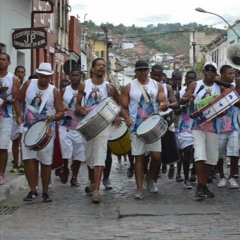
pixel 205 146
pixel 229 144
pixel 71 144
pixel 185 139
pixel 16 130
pixel 5 132
pixel 96 149
pixel 139 147
pixel 44 156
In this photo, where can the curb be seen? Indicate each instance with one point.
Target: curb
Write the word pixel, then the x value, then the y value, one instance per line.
pixel 11 186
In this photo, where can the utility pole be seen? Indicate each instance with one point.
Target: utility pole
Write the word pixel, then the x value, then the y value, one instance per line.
pixel 194 50
pixel 105 30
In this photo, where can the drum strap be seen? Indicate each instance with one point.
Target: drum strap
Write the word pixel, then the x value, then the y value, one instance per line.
pixel 147 100
pixel 45 98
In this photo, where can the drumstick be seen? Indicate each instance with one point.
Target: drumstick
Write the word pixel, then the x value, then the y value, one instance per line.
pixel 84 98
pixel 45 124
pixel 191 103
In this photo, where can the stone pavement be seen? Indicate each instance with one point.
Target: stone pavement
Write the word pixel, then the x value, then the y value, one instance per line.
pixel 171 214
pixel 13 181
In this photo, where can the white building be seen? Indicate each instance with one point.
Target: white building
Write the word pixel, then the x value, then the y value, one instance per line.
pixel 15 14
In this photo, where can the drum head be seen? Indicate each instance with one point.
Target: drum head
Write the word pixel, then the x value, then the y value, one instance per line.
pixel 148 124
pixel 116 132
pixel 93 113
pixel 35 133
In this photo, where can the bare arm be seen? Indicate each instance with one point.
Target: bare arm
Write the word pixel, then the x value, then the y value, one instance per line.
pixel 58 104
pixel 173 102
pixel 188 95
pixel 161 98
pixel 124 101
pixel 20 97
pixel 81 96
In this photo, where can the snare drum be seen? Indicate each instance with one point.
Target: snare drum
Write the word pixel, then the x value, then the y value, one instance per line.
pixel 38 136
pixel 152 129
pixel 119 139
pixel 98 119
pixel 216 106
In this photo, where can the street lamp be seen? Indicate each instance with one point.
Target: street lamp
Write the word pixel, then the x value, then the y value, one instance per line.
pixel 204 11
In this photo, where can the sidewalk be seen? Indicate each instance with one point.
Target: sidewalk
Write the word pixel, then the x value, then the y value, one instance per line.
pixel 13 181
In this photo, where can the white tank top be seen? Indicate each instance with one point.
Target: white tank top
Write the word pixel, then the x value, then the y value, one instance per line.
pixel 70 99
pixel 6 109
pixel 33 99
pixel 94 94
pixel 138 108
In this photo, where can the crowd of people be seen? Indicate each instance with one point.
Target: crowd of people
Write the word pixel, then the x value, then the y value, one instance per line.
pixel 169 124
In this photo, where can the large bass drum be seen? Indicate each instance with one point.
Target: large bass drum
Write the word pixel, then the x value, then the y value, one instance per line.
pixel 98 119
pixel 119 139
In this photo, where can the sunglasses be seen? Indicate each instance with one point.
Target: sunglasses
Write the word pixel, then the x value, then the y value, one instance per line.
pixel 207 69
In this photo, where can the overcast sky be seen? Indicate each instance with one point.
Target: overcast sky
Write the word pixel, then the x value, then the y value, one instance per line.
pixel 145 12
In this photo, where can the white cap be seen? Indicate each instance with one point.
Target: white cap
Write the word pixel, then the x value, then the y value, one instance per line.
pixel 45 68
pixel 210 63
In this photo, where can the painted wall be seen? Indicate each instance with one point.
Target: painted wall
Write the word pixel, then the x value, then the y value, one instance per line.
pixel 15 14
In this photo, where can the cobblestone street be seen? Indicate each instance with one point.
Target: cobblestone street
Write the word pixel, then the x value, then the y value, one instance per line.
pixel 173 213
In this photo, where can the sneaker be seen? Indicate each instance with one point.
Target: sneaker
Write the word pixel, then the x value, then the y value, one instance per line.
pixel 58 172
pixel 164 168
pixel 193 178
pixel 107 184
pixel 130 172
pixel 31 196
pixel 154 188
pixel 228 161
pixel 89 188
pixel 2 180
pixel 46 198
pixel 199 194
pixel 119 166
pixel 148 183
pixel 21 170
pixel 96 196
pixel 208 193
pixel 64 176
pixel 187 184
pixel 236 174
pixel 171 172
pixel 138 194
pixel 179 178
pixel 232 184
pixel 74 182
pixel 14 169
pixel 222 183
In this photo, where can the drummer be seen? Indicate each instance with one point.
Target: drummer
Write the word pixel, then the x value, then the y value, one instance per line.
pixel 43 103
pixel 170 154
pixel 141 98
pixel 70 139
pixel 9 86
pixel 205 136
pixel 91 92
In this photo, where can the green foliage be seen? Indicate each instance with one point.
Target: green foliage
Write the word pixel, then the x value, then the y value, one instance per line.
pixel 171 38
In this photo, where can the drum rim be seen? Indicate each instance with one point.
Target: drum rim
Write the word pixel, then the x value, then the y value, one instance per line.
pixel 29 129
pixel 154 115
pixel 45 134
